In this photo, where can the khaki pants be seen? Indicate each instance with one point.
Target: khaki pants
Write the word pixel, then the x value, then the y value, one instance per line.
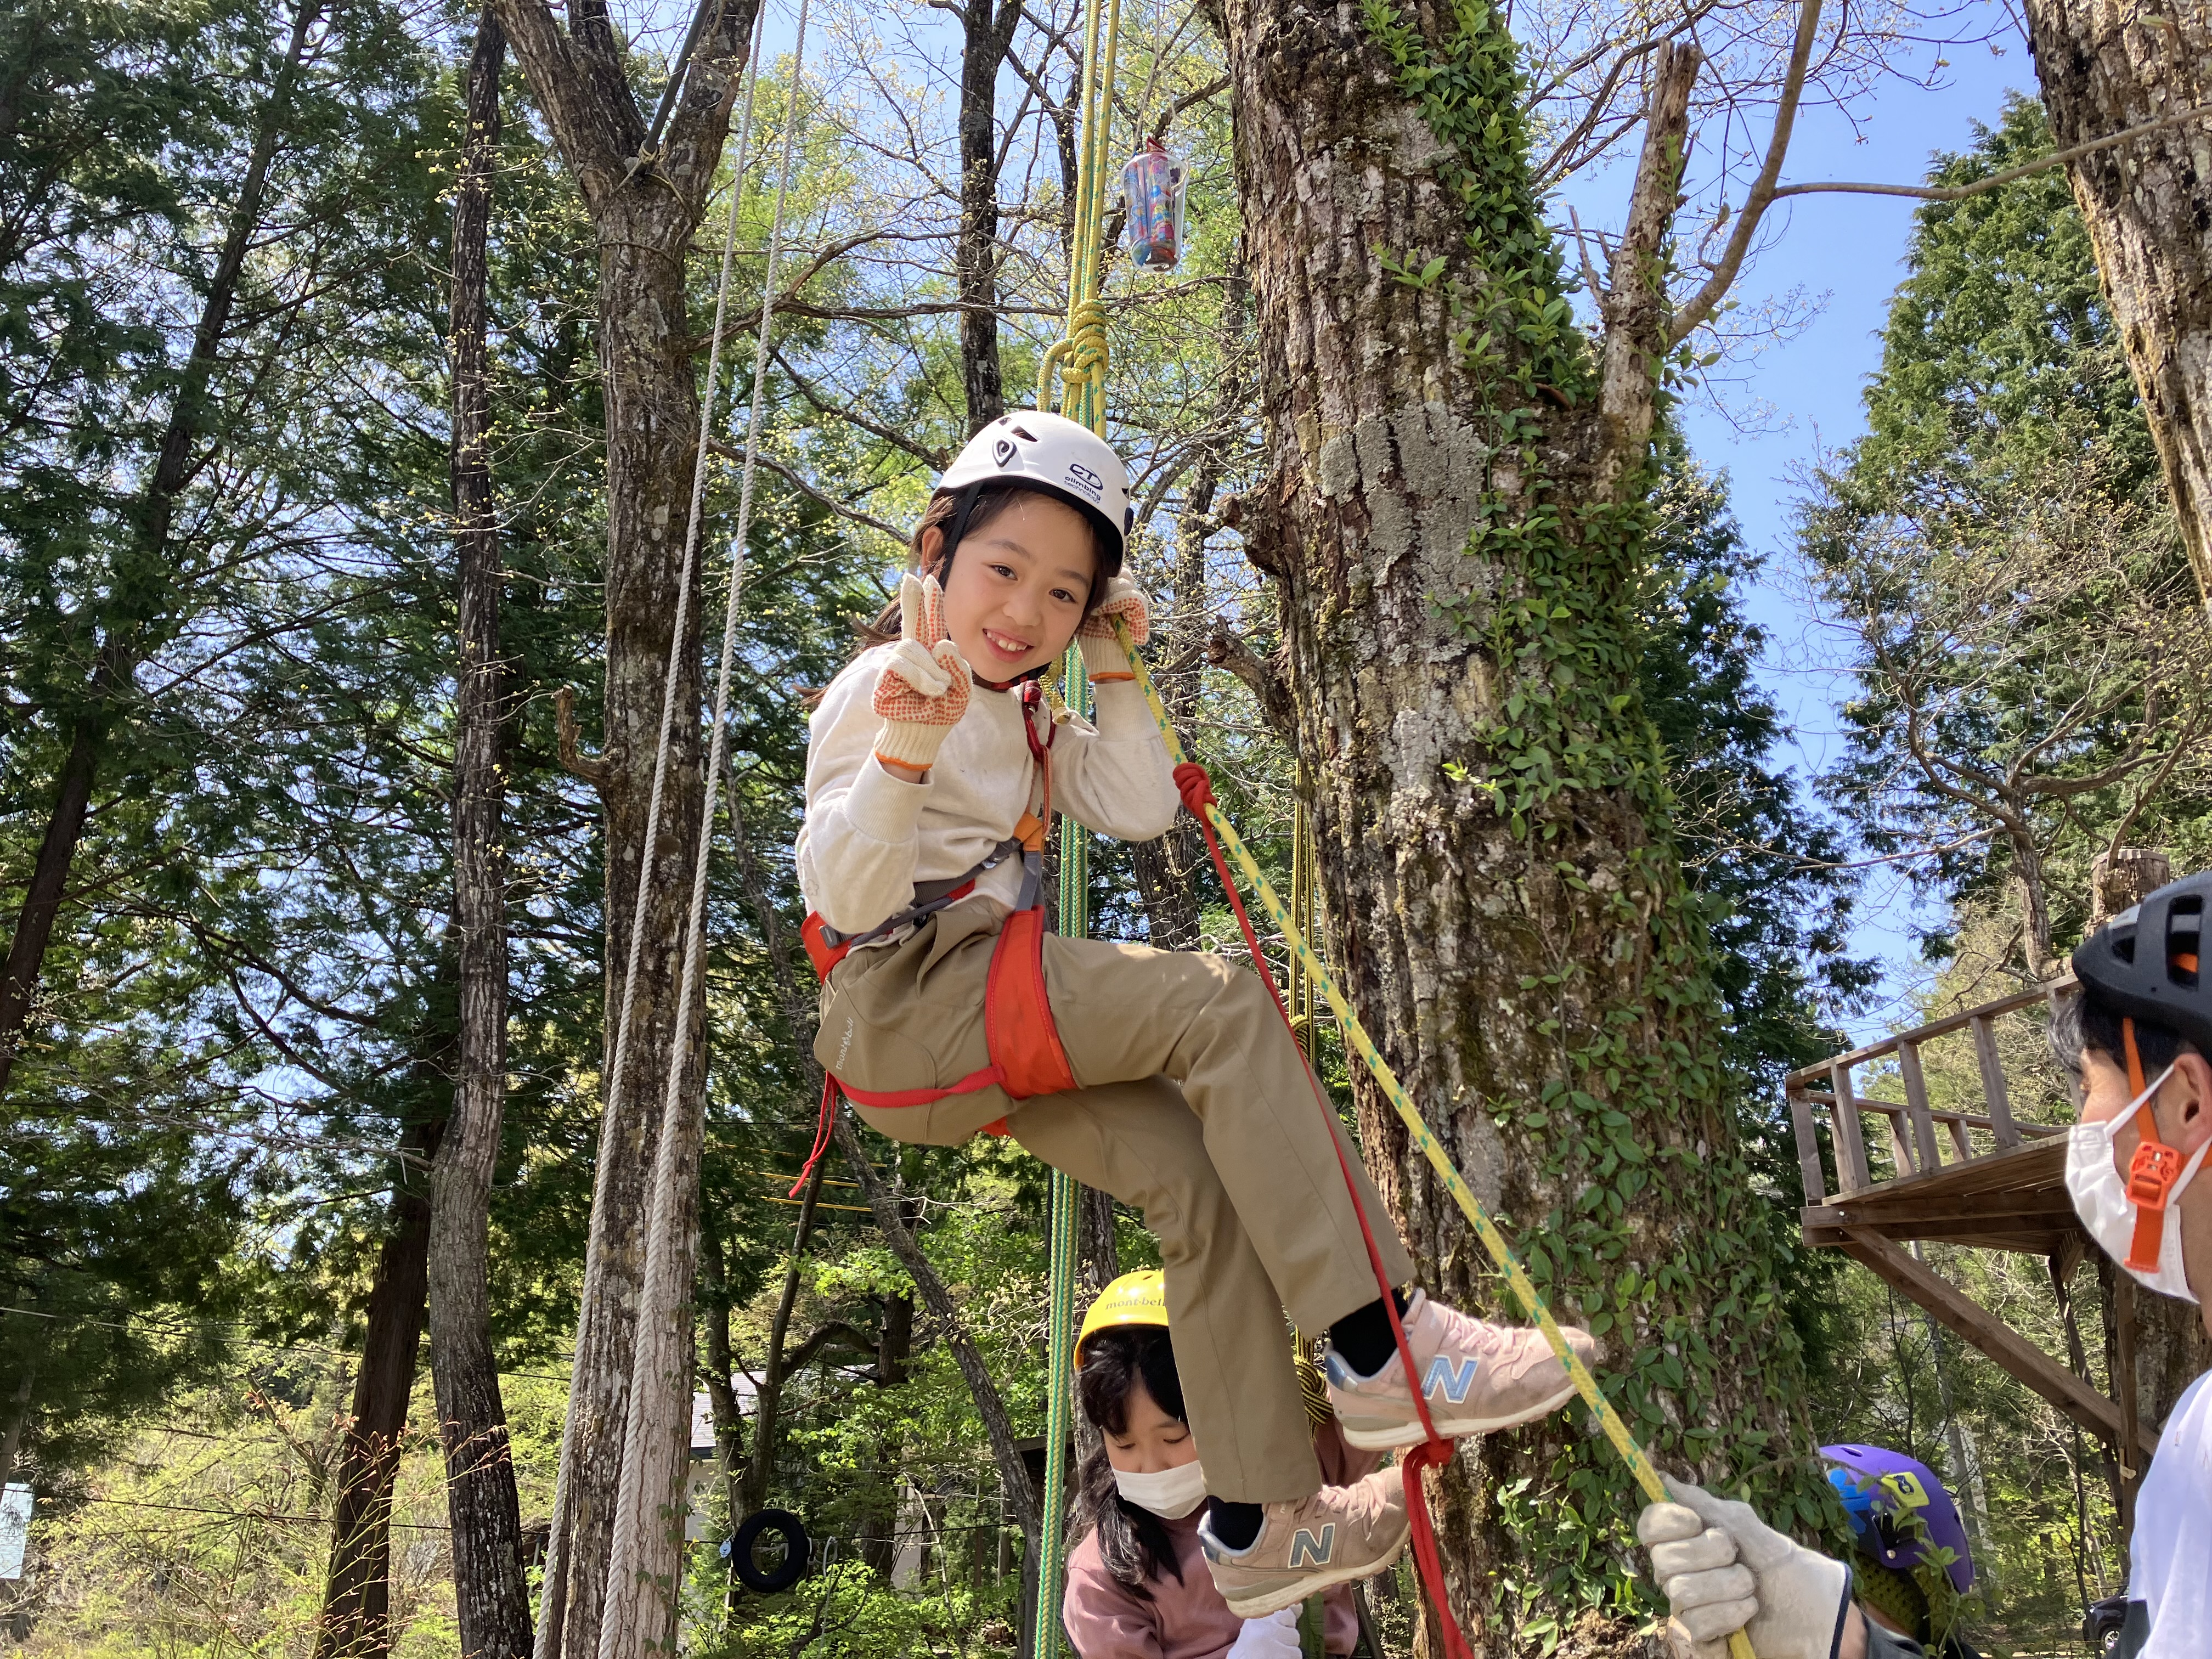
pixel 1195 1107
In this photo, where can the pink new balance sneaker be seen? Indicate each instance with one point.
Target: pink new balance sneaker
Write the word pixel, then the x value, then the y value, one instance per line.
pixel 1477 1378
pixel 1340 1534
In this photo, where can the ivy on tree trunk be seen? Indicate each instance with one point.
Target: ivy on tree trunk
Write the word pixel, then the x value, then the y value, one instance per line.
pixel 1454 505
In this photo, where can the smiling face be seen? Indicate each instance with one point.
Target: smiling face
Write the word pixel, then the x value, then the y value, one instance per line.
pixel 1019 585
pixel 1151 1441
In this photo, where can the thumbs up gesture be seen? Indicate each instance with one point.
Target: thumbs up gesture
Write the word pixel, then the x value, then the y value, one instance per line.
pixel 923 689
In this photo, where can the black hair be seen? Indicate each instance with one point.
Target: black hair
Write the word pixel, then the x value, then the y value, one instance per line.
pixel 943 515
pixel 2090 1021
pixel 1133 1541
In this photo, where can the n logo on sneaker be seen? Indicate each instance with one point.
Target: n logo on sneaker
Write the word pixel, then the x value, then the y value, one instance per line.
pixel 1307 1551
pixel 1449 1380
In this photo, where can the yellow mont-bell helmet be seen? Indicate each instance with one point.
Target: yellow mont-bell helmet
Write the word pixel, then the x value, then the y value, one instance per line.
pixel 1138 1298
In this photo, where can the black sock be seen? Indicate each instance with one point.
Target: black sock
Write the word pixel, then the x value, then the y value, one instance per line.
pixel 1234 1526
pixel 1362 1338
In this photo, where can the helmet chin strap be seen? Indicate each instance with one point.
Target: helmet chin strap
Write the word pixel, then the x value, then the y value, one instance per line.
pixel 2151 1172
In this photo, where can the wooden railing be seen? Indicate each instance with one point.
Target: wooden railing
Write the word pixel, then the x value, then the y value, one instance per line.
pixel 1915 1146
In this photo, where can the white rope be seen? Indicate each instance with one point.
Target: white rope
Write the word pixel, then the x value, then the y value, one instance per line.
pixel 654 1446
pixel 553 1610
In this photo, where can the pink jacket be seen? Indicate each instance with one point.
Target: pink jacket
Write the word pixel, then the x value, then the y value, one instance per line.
pixel 1189 1621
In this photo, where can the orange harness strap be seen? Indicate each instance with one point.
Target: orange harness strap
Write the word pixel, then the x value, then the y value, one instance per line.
pixel 1019 1034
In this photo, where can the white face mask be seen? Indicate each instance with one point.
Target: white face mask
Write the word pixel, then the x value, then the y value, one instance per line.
pixel 2114 1217
pixel 1171 1494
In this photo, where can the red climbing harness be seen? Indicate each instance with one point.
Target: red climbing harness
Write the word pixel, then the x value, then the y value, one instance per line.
pixel 1018 1033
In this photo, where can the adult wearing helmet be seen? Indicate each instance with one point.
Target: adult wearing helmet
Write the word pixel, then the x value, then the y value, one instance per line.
pixel 2138 1037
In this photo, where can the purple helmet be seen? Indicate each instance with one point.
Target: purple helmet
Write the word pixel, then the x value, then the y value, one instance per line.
pixel 1878 1487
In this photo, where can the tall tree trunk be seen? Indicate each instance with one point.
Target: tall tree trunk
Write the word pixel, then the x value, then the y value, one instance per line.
pixel 986 37
pixel 144 581
pixel 2106 65
pixel 1454 511
pixel 644 215
pixel 491 1601
pixel 358 1587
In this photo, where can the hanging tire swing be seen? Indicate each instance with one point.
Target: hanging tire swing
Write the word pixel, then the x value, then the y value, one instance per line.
pixel 769 1581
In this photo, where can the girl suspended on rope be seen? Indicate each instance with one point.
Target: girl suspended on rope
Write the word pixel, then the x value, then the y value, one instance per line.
pixel 1136 1588
pixel 1168 1078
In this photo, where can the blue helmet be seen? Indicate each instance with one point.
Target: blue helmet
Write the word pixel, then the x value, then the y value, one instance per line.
pixel 1900 1510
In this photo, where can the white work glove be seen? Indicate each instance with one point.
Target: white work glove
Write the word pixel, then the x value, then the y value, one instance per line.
pixel 1103 659
pixel 923 689
pixel 1275 1637
pixel 1725 1569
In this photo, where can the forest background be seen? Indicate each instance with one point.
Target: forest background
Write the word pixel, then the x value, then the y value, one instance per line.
pixel 222 1118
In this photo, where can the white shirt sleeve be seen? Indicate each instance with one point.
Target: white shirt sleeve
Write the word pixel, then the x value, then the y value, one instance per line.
pixel 2172 1552
pixel 856 849
pixel 1114 777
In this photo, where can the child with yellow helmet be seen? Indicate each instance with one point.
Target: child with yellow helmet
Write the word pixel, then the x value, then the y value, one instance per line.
pixel 1136 1582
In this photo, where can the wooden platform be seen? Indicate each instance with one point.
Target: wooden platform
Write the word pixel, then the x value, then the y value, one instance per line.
pixel 2013 1200
pixel 1944 1187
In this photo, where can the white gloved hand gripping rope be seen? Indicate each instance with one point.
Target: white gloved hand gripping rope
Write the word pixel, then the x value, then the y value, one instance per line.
pixel 1724 1570
pixel 1275 1637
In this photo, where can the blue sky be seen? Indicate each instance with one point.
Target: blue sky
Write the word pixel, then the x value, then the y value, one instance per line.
pixel 1845 253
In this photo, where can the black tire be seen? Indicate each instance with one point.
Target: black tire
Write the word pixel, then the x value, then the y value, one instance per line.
pixel 787 1572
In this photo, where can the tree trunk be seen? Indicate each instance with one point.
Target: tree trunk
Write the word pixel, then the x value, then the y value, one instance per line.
pixel 2105 66
pixel 491 1601
pixel 357 1591
pixel 644 215
pixel 1455 508
pixel 975 251
pixel 142 581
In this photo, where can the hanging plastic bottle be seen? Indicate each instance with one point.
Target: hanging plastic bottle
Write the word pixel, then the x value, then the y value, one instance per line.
pixel 1152 195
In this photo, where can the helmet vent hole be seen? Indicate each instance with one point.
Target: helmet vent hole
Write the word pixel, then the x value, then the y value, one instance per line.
pixel 1025 435
pixel 2185 924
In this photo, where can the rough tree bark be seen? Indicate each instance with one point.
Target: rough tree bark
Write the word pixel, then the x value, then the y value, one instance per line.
pixel 644 217
pixel 1454 506
pixel 989 35
pixel 2109 65
pixel 491 1601
pixel 357 1585
pixel 142 583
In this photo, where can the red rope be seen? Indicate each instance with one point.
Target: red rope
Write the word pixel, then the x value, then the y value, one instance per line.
pixel 822 1126
pixel 1197 792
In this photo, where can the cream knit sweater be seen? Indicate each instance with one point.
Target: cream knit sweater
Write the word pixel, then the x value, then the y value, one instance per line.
pixel 869 837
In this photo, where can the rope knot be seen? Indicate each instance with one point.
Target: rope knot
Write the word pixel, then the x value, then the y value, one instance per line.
pixel 1195 787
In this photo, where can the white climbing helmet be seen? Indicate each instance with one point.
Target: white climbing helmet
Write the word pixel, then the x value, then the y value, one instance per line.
pixel 1052 453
